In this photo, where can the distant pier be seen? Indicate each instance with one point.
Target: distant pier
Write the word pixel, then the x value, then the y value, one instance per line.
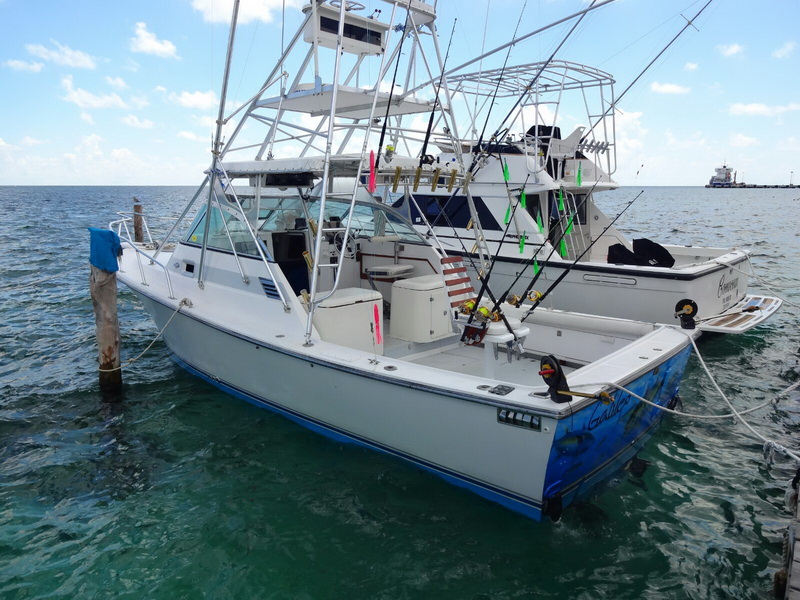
pixel 753 185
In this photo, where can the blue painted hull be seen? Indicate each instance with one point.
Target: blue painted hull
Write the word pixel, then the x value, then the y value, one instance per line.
pixel 600 439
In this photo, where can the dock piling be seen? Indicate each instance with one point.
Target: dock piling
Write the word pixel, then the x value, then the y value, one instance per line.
pixel 104 248
pixel 138 234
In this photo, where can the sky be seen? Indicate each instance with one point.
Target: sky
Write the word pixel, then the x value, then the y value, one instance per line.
pixel 126 93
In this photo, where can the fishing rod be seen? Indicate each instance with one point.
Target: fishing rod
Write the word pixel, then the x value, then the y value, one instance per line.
pixel 435 100
pixel 555 244
pixel 484 289
pixel 510 217
pixel 391 92
pixel 561 277
pixel 533 259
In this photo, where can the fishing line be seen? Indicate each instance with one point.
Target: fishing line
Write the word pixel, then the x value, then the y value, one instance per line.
pixel 689 22
pixel 497 85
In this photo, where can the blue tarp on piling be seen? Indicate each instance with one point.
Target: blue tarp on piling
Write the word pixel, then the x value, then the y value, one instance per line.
pixel 104 247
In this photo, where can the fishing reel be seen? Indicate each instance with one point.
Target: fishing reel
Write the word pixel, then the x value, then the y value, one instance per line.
pixel 515 300
pixel 482 314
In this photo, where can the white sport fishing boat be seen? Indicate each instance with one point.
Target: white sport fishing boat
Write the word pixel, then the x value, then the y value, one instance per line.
pixel 558 224
pixel 296 289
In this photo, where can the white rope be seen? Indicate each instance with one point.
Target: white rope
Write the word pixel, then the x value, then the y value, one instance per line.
pixel 770 286
pixel 768 443
pixel 12 288
pixel 181 304
pixel 770 446
pixel 685 414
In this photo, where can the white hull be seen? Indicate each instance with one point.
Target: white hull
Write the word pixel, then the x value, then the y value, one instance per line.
pixel 442 421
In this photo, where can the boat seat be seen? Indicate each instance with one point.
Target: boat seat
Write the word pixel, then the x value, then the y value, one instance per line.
pixel 388 272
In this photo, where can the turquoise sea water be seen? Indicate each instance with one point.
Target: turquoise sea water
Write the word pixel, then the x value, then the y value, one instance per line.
pixel 183 492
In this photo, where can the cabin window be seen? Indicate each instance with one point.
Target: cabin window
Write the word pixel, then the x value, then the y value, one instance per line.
pixel 456 212
pixel 354 32
pixel 218 236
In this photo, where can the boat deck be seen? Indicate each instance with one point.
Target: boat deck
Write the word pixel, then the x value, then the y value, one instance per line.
pixel 451 355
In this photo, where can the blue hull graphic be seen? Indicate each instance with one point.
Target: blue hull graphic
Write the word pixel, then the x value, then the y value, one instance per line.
pixel 600 439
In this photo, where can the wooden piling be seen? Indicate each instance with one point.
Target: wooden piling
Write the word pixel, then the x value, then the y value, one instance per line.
pixel 103 287
pixel 138 234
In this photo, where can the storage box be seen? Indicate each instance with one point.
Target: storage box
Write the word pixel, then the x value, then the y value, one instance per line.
pixel 420 309
pixel 352 317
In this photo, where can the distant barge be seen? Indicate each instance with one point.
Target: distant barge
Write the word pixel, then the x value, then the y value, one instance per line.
pixel 722 179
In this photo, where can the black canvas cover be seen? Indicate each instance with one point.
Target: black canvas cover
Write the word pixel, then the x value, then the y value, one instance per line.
pixel 653 254
pixel 618 254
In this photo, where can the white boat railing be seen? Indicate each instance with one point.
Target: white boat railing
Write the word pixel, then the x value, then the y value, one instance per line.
pixel 118 226
pixel 259 244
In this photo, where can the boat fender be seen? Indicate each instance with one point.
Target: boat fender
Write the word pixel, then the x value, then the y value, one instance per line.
pixel 554 377
pixel 686 310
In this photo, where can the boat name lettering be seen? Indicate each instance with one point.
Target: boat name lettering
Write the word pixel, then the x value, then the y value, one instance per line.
pixel 727 286
pixel 607 412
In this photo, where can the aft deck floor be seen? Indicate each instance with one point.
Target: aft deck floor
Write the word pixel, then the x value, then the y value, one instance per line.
pixel 450 355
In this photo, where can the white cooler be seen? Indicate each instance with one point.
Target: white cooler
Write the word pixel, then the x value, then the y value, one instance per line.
pixel 420 309
pixel 348 318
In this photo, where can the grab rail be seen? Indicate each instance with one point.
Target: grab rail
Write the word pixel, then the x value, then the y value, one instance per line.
pixel 118 225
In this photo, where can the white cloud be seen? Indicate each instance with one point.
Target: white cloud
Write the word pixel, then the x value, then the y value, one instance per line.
pixel 196 100
pixel 87 117
pixel 139 101
pixel 29 141
pixel 134 121
pixel 3 144
pixel 146 42
pixel 86 99
pixel 188 135
pixel 785 50
pixel 219 11
pixel 668 88
pixel 23 65
pixel 62 55
pixel 761 110
pixel 160 89
pixel 739 140
pixel 730 49
pixel 117 83
pixel 689 66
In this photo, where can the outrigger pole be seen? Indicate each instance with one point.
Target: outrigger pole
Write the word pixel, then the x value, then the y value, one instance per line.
pixel 215 149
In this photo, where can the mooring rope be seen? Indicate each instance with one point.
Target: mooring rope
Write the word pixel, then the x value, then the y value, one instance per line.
pixel 181 304
pixel 770 446
pixel 770 286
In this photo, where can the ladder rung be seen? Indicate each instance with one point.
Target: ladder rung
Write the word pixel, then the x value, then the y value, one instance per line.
pixel 455 270
pixel 468 290
pixel 451 259
pixel 457 281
